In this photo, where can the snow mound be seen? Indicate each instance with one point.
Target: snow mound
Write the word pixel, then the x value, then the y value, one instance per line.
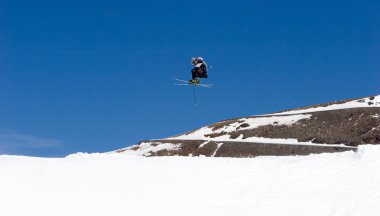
pixel 94 184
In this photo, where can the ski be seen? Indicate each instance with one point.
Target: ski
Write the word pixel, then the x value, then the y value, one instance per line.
pixel 203 85
pixel 181 84
pixel 180 80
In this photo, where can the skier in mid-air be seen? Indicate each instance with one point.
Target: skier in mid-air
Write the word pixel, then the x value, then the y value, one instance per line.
pixel 199 70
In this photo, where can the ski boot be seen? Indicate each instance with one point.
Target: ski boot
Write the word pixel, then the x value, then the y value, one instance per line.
pixel 194 81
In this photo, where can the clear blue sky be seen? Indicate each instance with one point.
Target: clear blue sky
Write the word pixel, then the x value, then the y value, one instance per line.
pixel 95 76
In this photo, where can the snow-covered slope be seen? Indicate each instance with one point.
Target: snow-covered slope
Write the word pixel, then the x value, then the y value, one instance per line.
pixel 373 101
pixel 113 184
pixel 336 126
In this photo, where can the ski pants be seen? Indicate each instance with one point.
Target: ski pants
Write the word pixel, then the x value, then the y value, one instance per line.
pixel 198 73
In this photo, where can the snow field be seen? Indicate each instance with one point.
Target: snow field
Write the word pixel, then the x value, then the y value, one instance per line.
pixel 108 184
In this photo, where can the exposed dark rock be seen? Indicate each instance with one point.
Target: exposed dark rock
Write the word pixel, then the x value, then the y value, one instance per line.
pixel 213 135
pixel 244 125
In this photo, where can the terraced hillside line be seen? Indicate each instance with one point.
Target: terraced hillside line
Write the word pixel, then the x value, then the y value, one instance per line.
pixel 240 149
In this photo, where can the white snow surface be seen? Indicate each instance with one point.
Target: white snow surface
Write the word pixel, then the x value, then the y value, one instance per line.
pixel 344 184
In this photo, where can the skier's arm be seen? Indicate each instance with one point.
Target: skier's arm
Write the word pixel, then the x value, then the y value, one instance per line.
pixel 199 65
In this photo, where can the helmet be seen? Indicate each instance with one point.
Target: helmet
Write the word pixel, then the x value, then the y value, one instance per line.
pixel 197 60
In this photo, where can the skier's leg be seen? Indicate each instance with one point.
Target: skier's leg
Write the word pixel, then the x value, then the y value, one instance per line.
pixel 194 73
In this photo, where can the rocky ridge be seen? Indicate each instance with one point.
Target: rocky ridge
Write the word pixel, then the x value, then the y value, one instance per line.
pixel 330 127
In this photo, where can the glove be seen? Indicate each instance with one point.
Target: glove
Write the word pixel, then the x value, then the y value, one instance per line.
pixel 193 60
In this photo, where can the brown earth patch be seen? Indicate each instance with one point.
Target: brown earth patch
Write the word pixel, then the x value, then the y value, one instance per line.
pixel 225 123
pixel 350 127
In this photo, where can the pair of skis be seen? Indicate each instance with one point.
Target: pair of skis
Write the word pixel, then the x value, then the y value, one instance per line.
pixel 187 83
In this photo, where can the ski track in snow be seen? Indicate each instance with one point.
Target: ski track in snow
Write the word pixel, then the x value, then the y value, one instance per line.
pixel 114 184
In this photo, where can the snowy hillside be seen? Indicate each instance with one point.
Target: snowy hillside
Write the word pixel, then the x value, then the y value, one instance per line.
pixel 114 184
pixel 331 127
